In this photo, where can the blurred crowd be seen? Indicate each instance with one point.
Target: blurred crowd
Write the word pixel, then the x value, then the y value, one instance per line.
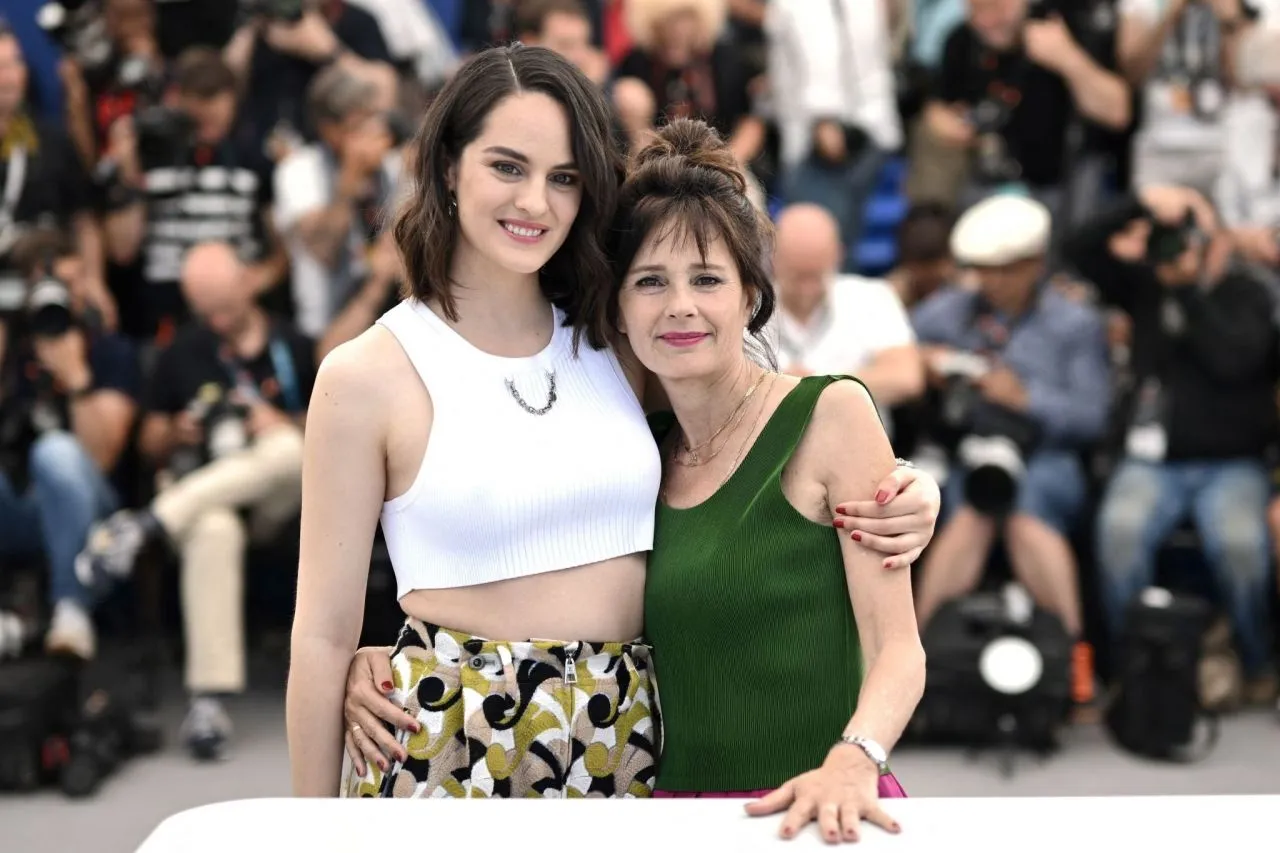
pixel 1045 234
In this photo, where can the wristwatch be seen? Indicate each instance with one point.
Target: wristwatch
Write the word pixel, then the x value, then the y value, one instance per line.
pixel 873 750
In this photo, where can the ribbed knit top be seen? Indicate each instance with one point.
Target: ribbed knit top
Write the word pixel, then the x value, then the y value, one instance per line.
pixel 504 493
pixel 754 640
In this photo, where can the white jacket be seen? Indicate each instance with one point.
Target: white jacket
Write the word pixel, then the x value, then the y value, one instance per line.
pixel 820 69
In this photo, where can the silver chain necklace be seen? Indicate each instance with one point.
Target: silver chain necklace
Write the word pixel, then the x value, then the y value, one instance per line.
pixel 551 395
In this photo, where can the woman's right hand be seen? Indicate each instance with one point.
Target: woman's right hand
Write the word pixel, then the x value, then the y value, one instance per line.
pixel 366 707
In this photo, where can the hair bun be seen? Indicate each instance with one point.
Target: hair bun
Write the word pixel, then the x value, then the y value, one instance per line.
pixel 690 144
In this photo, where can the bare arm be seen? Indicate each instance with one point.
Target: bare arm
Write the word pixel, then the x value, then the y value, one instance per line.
pixel 1139 42
pixel 881 600
pixel 239 51
pixel 101 421
pixel 895 375
pixel 343 487
pixel 325 231
pixel 1099 94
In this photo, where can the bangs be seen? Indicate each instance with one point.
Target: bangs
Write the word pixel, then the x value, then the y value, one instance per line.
pixel 677 222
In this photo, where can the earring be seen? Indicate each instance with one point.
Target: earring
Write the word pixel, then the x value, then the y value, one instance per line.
pixel 453 207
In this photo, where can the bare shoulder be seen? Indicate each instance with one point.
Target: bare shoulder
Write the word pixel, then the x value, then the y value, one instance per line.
pixel 845 446
pixel 364 369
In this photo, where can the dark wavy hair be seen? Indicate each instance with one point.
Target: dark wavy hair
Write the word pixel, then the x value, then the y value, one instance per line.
pixel 686 182
pixel 427 235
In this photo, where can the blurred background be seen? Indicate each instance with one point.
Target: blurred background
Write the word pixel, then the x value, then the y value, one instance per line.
pixel 1046 233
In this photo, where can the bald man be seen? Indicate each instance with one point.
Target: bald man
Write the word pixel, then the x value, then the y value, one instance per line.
pixel 833 323
pixel 223 419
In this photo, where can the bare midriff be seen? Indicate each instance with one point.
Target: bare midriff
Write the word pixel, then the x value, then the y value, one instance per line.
pixel 600 602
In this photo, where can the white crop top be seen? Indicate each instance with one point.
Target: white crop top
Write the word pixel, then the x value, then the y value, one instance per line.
pixel 504 493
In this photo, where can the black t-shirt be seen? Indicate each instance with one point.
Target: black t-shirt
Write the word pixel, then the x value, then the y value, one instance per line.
pixel 219 193
pixel 113 363
pixel 713 89
pixel 197 357
pixel 277 89
pixel 1037 102
pixel 54 186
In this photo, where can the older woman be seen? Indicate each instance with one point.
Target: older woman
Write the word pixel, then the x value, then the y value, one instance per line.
pixel 767 672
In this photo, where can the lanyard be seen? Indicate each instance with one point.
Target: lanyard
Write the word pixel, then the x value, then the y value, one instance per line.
pixel 281 364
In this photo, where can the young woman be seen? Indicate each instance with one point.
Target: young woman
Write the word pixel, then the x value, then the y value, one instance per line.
pixel 510 464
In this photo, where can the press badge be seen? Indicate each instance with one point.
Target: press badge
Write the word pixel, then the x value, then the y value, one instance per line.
pixel 1148 440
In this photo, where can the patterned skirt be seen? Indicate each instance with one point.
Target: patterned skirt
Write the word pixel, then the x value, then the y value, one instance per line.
pixel 539 718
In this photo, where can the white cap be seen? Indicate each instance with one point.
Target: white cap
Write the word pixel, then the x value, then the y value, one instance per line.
pixel 1001 230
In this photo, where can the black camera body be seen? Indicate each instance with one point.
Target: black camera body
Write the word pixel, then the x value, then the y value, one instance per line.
pixel 992 442
pixel 225 424
pixel 78 31
pixel 992 161
pixel 1167 243
pixel 285 11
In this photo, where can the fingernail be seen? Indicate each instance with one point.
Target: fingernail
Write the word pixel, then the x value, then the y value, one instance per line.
pixel 882 496
pixel 841 511
pixel 786 833
pixel 415 727
pixel 857 535
pixel 839 522
pixel 388 686
pixel 888 564
pixel 897 827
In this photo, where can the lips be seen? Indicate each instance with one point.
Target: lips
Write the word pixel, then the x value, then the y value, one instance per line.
pixel 683 339
pixel 523 232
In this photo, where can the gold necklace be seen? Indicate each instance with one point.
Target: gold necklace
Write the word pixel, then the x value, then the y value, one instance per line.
pixel 694 454
pixel 746 439
pixel 742 448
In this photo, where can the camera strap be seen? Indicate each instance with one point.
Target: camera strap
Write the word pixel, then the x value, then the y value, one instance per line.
pixel 281 365
pixel 286 375
pixel 16 177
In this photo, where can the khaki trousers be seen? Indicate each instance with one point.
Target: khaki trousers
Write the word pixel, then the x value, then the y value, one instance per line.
pixel 200 512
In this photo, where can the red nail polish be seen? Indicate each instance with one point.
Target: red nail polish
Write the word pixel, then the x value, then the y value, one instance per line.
pixel 857 536
pixel 839 522
pixel 882 496
pixel 840 510
pixel 388 686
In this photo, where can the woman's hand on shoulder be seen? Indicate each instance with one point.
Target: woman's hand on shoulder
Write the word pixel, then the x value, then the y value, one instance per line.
pixel 900 520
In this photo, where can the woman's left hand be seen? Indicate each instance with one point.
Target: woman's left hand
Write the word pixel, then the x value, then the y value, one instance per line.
pixel 840 794
pixel 899 521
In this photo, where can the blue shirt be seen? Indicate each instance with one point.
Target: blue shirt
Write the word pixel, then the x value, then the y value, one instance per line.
pixel 1058 350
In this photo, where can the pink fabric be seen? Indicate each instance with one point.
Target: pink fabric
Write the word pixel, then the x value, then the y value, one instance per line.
pixel 890 789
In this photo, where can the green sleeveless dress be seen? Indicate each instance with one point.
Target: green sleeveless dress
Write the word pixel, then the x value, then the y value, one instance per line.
pixel 747 609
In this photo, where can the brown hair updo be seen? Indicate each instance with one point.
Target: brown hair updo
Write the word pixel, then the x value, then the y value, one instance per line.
pixel 687 184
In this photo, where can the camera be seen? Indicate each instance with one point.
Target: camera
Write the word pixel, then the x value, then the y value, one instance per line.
pixel 994 441
pixel 1167 243
pixel 78 31
pixel 285 11
pixel 992 160
pixel 225 424
pixel 49 312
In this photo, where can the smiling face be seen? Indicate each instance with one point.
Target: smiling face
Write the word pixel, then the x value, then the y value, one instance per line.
pixel 684 313
pixel 517 186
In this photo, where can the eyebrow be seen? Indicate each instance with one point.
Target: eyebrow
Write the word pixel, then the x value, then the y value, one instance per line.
pixel 660 268
pixel 520 158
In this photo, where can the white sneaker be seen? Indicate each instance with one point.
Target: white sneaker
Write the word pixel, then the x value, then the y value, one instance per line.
pixel 71 631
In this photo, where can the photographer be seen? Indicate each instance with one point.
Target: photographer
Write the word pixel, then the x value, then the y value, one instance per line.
pixel 67 402
pixel 181 179
pixel 1178 54
pixel 111 66
pixel 224 416
pixel 280 49
pixel 331 200
pixel 1006 92
pixel 1204 363
pixel 1025 387
pixel 42 184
